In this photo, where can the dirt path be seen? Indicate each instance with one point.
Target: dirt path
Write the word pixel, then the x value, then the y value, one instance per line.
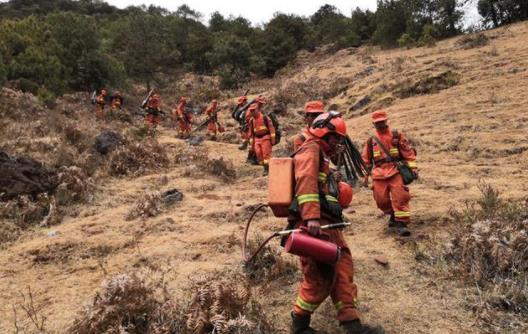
pixel 202 234
pixel 469 133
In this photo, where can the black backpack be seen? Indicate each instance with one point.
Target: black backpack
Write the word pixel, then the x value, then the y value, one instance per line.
pixel 276 125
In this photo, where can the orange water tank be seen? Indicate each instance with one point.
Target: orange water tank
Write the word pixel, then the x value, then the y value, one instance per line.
pixel 280 185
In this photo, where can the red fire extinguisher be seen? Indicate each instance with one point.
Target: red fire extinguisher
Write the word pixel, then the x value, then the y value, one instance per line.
pixel 300 243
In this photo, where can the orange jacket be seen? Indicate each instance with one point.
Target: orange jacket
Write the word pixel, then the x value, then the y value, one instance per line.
pixel 100 100
pixel 181 114
pixel 212 113
pixel 299 139
pixel 382 169
pixel 312 168
pixel 116 101
pixel 154 102
pixel 261 126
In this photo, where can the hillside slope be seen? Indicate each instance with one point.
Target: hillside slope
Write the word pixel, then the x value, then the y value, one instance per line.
pixel 464 110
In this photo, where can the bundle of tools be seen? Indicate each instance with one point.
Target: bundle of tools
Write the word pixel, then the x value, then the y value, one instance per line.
pixel 350 160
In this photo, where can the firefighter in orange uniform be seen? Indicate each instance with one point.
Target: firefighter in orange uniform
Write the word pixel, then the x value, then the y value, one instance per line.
pixel 262 135
pixel 184 118
pixel 153 111
pixel 316 203
pixel 244 133
pixel 212 116
pixel 100 105
pixel 116 101
pixel 312 110
pixel 390 194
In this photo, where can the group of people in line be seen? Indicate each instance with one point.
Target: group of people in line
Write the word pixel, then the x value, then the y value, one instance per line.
pixel 100 101
pixel 181 115
pixel 313 150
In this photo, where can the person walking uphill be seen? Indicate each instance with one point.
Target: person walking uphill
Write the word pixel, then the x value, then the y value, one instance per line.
pixel 244 133
pixel 153 111
pixel 183 117
pixel 116 101
pixel 312 110
pixel 212 115
pixel 100 101
pixel 262 135
pixel 316 204
pixel 382 153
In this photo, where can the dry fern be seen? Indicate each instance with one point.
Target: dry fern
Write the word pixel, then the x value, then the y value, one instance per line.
pixel 221 305
pixel 148 205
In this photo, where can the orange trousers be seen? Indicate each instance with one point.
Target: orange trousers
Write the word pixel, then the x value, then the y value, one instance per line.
pixel 185 128
pixel 99 112
pixel 321 280
pixel 393 197
pixel 151 120
pixel 263 149
pixel 211 126
pixel 244 135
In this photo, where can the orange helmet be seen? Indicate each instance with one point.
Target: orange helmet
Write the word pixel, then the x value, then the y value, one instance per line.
pixel 314 107
pixel 253 106
pixel 242 99
pixel 260 99
pixel 183 99
pixel 329 122
pixel 379 116
pixel 345 195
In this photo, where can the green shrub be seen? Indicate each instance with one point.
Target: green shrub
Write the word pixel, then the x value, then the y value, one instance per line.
pixel 47 97
pixel 406 41
pixel 27 86
pixel 428 37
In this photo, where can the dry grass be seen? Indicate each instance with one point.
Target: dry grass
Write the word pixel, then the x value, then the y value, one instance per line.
pixel 222 304
pixel 25 211
pixel 135 303
pixel 422 303
pixel 136 158
pixel 490 249
pixel 140 302
pixel 470 41
pixel 268 265
pixel 148 205
pixel 427 85
pixel 74 186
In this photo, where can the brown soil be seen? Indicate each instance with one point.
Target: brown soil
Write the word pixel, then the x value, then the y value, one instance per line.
pixel 465 131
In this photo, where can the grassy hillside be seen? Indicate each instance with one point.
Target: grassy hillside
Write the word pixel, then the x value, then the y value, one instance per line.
pixel 462 105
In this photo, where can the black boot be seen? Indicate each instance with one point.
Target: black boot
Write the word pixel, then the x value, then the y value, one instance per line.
pixel 392 221
pixel 356 327
pixel 402 229
pixel 243 146
pixel 252 159
pixel 266 170
pixel 301 324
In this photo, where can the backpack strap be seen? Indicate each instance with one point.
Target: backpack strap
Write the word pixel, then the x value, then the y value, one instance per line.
pixel 396 136
pixel 370 151
pixel 384 149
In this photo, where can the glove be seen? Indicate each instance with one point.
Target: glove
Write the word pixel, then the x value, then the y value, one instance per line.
pixel 314 227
